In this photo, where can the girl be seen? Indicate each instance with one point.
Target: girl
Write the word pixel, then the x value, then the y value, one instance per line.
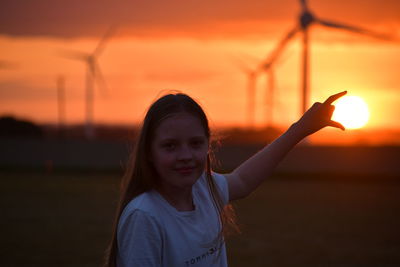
pixel 173 209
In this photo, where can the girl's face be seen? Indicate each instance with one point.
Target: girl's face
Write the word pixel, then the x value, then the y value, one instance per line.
pixel 179 151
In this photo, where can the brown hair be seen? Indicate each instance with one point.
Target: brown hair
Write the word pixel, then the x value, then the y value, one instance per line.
pixel 140 175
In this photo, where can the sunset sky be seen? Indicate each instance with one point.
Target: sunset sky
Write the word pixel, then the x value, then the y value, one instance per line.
pixel 190 46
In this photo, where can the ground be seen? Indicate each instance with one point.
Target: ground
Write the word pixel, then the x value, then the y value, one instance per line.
pixel 64 219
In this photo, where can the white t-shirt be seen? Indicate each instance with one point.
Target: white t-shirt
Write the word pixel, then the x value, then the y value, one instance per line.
pixel 151 232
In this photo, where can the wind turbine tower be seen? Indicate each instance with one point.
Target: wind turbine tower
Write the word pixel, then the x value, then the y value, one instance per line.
pixel 251 75
pixel 61 103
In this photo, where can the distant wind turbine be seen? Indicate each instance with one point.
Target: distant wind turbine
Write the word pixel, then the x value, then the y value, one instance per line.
pixel 251 91
pixel 267 67
pixel 305 20
pixel 93 75
pixel 269 95
pixel 61 104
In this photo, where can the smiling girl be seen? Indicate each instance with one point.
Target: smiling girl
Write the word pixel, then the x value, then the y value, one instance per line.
pixel 173 210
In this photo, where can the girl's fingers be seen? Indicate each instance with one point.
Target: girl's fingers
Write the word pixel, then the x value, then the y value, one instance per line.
pixel 336 125
pixel 334 97
pixel 331 109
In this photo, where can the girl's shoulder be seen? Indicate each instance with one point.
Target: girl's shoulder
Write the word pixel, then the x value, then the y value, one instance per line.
pixel 138 220
pixel 219 180
pixel 145 203
pixel 222 185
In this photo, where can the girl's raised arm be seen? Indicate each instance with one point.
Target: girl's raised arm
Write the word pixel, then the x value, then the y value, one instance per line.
pixel 250 174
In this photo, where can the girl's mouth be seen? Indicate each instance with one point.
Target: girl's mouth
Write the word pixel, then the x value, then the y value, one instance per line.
pixel 185 170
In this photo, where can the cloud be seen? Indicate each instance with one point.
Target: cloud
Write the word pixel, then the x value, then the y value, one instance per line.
pixel 160 18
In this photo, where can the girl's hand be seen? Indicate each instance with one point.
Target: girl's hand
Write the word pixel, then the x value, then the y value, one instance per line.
pixel 319 116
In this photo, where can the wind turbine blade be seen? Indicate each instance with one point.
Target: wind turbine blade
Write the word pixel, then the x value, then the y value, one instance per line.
pixel 284 57
pixel 91 64
pixel 74 55
pixel 281 45
pixel 101 45
pixel 241 65
pixel 249 58
pixel 355 29
pixel 101 82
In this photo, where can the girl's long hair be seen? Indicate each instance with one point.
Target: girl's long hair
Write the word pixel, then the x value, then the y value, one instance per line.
pixel 140 176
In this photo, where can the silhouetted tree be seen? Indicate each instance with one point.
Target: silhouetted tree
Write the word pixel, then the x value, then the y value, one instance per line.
pixel 12 127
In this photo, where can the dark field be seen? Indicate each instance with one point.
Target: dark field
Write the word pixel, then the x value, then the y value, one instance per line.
pixel 327 220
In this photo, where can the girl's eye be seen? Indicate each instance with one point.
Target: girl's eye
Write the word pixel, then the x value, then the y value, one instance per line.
pixel 169 146
pixel 197 143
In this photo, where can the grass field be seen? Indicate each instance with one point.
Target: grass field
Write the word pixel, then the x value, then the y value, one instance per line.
pixel 328 220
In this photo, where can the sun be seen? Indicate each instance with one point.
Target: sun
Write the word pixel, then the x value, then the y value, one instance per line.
pixel 351 111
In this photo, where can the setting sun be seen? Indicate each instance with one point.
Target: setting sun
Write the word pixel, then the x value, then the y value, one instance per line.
pixel 351 111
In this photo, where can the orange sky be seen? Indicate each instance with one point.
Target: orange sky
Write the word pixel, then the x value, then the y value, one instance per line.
pixel 188 47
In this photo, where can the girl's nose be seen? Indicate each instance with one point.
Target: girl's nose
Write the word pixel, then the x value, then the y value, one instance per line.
pixel 185 153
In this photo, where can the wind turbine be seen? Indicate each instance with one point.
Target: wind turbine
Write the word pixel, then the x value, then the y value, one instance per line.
pixel 251 91
pixel 269 95
pixel 61 104
pixel 267 66
pixel 93 75
pixel 305 20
